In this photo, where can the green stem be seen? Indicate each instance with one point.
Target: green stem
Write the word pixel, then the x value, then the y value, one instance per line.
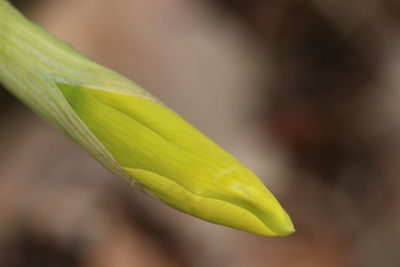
pixel 32 61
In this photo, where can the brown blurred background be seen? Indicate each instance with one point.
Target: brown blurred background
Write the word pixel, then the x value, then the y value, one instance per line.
pixel 305 93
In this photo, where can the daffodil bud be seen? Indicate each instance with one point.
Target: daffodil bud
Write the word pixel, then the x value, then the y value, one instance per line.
pixel 131 132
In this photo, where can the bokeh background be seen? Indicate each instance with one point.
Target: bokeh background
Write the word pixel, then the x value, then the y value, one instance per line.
pixel 305 93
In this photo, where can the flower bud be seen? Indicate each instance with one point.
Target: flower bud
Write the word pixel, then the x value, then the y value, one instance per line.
pixel 131 132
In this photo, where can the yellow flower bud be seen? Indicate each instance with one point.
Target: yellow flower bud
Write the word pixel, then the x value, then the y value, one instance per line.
pixel 131 132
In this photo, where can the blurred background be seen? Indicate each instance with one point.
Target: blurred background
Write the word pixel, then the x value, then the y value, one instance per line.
pixel 305 93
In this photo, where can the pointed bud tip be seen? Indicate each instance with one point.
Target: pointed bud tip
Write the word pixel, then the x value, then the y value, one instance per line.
pixel 287 228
